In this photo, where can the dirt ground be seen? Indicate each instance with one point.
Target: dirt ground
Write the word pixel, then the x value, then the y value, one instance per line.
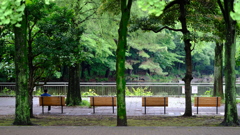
pixel 97 120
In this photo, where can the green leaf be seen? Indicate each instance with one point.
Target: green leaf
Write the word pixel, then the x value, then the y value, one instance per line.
pixel 6 21
pixel 8 12
pixel 152 6
pixel 21 8
pixel 18 25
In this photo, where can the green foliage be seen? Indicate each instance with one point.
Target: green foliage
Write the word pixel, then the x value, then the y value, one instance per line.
pixel 208 93
pixel 38 92
pixel 203 58
pixel 99 43
pixel 7 92
pixel 151 51
pixel 85 103
pixel 11 12
pixel 153 7
pixel 237 101
pixel 110 6
pixel 236 14
pixel 138 92
pixel 159 53
pixel 90 92
pixel 57 74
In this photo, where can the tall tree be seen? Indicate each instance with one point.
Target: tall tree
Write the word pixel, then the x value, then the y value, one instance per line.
pixel 37 10
pixel 120 65
pixel 13 13
pixel 231 115
pixel 83 10
pixel 125 8
pixel 210 19
pixel 188 58
pixel 22 113
pixel 178 9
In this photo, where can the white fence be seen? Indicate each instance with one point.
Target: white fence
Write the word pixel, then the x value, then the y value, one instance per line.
pixel 109 88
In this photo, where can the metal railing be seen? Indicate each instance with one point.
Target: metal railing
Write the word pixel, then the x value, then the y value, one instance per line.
pixel 109 88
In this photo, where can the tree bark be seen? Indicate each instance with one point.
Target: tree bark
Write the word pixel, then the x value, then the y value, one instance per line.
pixel 231 114
pixel 22 113
pixel 31 80
pixel 120 64
pixel 74 94
pixel 218 71
pixel 107 73
pixel 188 59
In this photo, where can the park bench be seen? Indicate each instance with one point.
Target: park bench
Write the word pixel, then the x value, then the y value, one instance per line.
pixel 52 101
pixel 155 101
pixel 103 101
pixel 207 102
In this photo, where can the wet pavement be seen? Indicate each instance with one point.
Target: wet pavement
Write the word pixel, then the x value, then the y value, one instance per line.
pixel 176 107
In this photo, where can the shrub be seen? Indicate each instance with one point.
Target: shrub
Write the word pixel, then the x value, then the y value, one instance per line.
pixel 7 92
pixel 85 103
pixel 91 92
pixel 138 92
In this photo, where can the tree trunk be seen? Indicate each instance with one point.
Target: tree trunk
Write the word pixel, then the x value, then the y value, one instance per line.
pixel 107 73
pixel 231 114
pixel 31 81
pixel 188 59
pixel 22 113
pixel 74 94
pixel 31 102
pixel 120 64
pixel 218 74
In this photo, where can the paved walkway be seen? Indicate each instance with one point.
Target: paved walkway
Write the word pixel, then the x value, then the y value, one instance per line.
pixel 134 108
pixel 60 130
pixel 176 107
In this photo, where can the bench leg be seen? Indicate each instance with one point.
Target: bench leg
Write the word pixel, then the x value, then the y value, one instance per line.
pixel 113 104
pixel 164 105
pixel 197 104
pixel 93 105
pixel 62 109
pixel 93 109
pixel 217 106
pixel 145 106
pixel 42 109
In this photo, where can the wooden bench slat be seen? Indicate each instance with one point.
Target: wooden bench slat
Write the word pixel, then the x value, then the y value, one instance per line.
pixel 207 101
pixel 154 101
pixel 52 101
pixel 103 101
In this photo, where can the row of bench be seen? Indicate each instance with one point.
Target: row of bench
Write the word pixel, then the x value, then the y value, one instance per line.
pixel 146 101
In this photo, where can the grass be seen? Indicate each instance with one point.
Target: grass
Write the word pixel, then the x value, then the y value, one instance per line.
pixel 97 120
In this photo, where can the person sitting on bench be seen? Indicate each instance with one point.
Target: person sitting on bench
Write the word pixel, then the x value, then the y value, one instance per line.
pixel 47 95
